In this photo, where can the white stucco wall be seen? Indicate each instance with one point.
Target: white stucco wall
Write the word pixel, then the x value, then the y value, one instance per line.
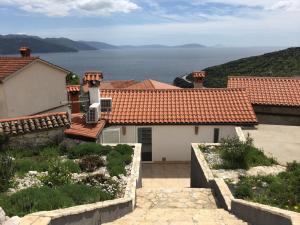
pixel 37 88
pixel 173 142
pixel 3 106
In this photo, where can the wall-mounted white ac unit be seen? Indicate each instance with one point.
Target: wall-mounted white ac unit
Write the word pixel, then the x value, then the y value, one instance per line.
pixel 92 115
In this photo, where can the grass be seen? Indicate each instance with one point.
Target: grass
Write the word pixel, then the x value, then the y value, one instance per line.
pixel 45 198
pixel 242 155
pixel 281 191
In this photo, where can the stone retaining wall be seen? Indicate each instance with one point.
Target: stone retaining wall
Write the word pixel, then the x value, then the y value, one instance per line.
pixel 253 213
pixel 95 213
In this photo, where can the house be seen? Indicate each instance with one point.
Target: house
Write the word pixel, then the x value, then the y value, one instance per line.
pixel 165 121
pixel 30 85
pixel 276 100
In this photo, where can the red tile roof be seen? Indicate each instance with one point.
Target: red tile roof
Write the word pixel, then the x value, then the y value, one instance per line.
pixel 280 91
pixel 73 88
pixel 27 124
pixel 179 106
pixel 198 74
pixel 80 128
pixel 151 84
pixel 93 76
pixel 117 84
pixel 10 65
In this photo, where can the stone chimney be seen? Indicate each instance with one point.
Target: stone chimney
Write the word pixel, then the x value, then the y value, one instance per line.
pixel 73 96
pixel 25 51
pixel 198 78
pixel 93 80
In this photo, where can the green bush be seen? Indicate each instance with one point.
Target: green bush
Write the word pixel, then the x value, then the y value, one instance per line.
pixel 45 198
pixel 105 149
pixel 280 191
pixel 115 163
pixel 71 166
pixel 58 174
pixel 242 155
pixel 6 171
pixel 50 152
pixel 84 149
pixel 26 164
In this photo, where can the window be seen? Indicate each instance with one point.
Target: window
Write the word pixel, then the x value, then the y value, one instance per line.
pixel 216 135
pixel 111 136
pixel 105 104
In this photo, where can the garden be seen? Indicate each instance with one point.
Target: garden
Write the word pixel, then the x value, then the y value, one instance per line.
pixel 58 176
pixel 253 176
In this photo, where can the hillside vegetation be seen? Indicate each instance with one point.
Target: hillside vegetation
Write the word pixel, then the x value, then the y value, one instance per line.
pixel 280 63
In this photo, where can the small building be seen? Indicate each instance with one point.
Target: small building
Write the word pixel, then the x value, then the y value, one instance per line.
pixel 276 100
pixel 34 131
pixel 165 121
pixel 30 85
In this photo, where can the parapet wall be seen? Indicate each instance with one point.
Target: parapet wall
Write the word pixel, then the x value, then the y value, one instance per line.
pixel 95 213
pixel 253 213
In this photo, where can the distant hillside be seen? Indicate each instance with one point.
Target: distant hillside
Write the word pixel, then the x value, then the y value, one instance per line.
pixel 99 45
pixel 70 43
pixel 10 44
pixel 280 63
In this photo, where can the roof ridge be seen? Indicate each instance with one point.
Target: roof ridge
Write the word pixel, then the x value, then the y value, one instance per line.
pixel 33 117
pixel 258 77
pixel 18 57
pixel 176 90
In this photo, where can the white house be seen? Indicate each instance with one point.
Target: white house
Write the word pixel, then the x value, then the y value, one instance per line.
pixel 165 121
pixel 30 85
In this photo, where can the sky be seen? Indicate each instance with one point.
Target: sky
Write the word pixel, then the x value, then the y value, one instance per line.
pixel 170 22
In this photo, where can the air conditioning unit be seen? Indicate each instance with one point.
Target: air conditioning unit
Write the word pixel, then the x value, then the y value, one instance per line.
pixel 92 115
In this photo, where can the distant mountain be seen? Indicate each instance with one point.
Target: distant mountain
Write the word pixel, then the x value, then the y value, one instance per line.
pixel 10 44
pixel 70 43
pixel 99 45
pixel 190 46
pixel 280 63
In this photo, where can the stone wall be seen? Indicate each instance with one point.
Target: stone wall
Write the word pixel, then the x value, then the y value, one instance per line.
pixel 95 213
pixel 36 139
pixel 253 213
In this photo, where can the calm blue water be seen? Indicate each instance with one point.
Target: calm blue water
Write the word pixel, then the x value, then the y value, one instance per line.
pixel 159 64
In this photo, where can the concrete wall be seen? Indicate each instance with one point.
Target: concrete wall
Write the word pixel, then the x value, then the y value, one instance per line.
pixel 3 106
pixel 37 88
pixel 173 142
pixel 95 213
pixel 36 139
pixel 253 213
pixel 280 115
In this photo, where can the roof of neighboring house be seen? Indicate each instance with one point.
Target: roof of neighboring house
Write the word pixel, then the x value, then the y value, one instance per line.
pixel 179 106
pixel 80 128
pixel 151 84
pixel 10 65
pixel 279 91
pixel 73 88
pixel 117 84
pixel 198 74
pixel 93 76
pixel 27 124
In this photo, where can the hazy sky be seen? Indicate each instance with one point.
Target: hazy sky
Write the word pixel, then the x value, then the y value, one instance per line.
pixel 209 22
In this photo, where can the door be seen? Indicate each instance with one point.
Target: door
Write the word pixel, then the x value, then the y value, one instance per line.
pixel 145 138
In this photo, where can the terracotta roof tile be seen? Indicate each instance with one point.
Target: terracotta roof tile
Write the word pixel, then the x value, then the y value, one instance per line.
pixel 93 76
pixel 20 125
pixel 10 65
pixel 279 91
pixel 73 88
pixel 117 84
pixel 80 128
pixel 152 84
pixel 179 106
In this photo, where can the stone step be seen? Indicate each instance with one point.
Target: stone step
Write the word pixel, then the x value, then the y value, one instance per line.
pixel 179 216
pixel 197 198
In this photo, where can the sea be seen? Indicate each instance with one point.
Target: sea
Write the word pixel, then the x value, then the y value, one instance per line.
pixel 163 64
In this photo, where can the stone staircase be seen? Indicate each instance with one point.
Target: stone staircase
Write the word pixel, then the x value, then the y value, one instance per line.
pixel 185 206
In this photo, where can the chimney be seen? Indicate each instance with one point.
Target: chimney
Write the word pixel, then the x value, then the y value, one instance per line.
pixel 25 52
pixel 198 77
pixel 73 96
pixel 93 80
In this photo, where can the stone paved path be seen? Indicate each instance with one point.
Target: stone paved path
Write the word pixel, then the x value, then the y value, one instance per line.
pixel 184 206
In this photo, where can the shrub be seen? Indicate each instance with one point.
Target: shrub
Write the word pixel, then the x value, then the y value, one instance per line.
pixel 6 171
pixel 26 164
pixel 105 149
pixel 58 174
pixel 3 140
pixel 115 163
pixel 50 152
pixel 71 166
pixel 126 152
pixel 242 155
pixel 84 149
pixel 45 198
pixel 91 162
